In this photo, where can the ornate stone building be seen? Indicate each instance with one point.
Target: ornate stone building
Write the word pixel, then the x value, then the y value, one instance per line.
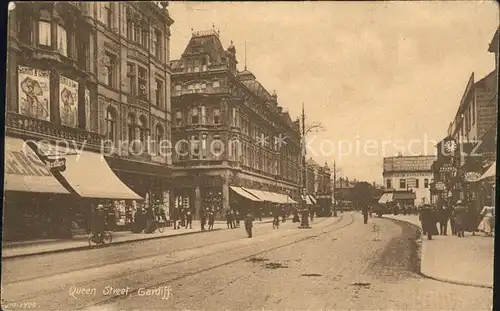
pixel 228 130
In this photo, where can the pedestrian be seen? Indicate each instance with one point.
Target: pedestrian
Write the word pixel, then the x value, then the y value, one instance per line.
pixel 487 224
pixel 98 224
pixel 249 224
pixel 364 210
pixel 295 217
pixel 473 218
pixel 276 220
pixel 450 212
pixel 443 218
pixel 460 217
pixel 370 210
pixel 229 219
pixel 189 220
pixel 182 217
pixel 211 219
pixel 203 219
pixel 237 218
pixel 428 220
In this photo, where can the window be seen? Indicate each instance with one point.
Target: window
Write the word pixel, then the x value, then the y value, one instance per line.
pixel 194 117
pixel 178 87
pixel 473 105
pixel 178 118
pixel 84 54
pixel 62 40
pixel 143 132
pixel 159 139
pixel 196 65
pixel 234 117
pixel 417 183
pixel 216 115
pixel 203 115
pixel 44 33
pixel 216 84
pixel 203 64
pixel 131 79
pixel 130 29
pixel 142 81
pixel 25 31
pixel 195 147
pixel 426 183
pixel 145 37
pixel 157 44
pixel 217 145
pixel 137 33
pixel 159 92
pixel 109 71
pixel 111 124
pixel 204 145
pixel 131 128
pixel 107 18
pixel 402 183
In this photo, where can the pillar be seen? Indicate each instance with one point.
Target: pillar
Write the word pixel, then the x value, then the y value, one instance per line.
pixel 197 201
pixel 225 195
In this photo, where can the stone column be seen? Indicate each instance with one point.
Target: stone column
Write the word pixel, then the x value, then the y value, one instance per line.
pixel 225 195
pixel 197 201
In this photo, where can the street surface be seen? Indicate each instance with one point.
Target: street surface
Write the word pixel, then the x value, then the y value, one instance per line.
pixel 338 264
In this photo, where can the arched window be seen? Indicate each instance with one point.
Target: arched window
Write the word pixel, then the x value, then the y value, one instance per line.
pixel 143 130
pixel 111 124
pixel 159 139
pixel 131 127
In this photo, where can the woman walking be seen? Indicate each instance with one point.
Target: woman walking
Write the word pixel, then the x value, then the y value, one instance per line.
pixel 487 224
pixel 429 221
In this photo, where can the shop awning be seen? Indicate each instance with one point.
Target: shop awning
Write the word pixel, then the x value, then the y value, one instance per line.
pixel 263 195
pixel 404 195
pixel 286 199
pixel 240 191
pixel 90 176
pixel 490 173
pixel 24 171
pixel 386 197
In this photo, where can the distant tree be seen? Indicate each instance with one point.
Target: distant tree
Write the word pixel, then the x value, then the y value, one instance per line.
pixel 362 193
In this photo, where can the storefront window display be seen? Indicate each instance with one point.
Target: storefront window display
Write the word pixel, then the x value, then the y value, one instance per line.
pixel 212 199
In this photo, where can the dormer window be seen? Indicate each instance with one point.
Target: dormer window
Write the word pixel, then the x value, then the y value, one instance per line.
pixel 44 33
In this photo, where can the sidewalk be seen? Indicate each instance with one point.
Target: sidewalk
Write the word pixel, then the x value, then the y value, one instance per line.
pixel 465 261
pixel 46 246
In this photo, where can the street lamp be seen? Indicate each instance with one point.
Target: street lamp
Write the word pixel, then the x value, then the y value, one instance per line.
pixel 304 223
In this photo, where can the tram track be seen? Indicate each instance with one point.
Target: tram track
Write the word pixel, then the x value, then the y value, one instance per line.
pixel 246 257
pixel 44 292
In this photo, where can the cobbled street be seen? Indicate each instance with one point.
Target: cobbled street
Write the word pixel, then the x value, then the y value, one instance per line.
pixel 339 264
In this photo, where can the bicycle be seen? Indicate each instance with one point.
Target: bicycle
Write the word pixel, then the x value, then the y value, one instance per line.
pixel 106 239
pixel 159 225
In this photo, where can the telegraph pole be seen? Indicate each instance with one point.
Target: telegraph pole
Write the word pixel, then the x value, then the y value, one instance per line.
pixel 334 184
pixel 304 223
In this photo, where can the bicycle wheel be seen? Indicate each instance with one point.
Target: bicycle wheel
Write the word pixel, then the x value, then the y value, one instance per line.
pixel 107 238
pixel 161 227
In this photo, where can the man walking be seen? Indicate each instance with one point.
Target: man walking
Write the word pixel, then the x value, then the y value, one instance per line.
pixel 203 219
pixel 189 220
pixel 249 224
pixel 365 213
pixel 229 219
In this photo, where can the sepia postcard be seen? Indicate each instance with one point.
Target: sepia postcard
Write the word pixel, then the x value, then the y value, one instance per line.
pixel 219 155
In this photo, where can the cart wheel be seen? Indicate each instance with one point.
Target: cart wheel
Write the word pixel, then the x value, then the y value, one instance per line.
pixel 107 238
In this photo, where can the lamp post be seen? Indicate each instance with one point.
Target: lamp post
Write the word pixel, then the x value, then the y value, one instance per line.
pixel 304 223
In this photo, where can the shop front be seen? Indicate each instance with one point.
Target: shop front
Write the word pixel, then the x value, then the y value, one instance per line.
pixel 34 199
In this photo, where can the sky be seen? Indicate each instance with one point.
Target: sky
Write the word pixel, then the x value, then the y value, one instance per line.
pixel 381 77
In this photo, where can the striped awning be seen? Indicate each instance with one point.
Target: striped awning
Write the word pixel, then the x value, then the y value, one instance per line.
pixel 307 199
pixel 490 173
pixel 245 194
pixel 386 197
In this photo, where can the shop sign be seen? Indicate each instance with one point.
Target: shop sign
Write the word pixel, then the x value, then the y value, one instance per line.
pixel 34 92
pixel 68 101
pixel 440 186
pixel 446 168
pixel 471 176
pixel 56 165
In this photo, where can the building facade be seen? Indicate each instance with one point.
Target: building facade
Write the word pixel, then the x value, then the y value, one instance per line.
pixel 469 147
pixel 228 130
pixel 66 109
pixel 133 85
pixel 403 173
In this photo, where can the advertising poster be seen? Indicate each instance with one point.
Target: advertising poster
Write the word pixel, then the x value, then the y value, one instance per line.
pixel 34 93
pixel 87 109
pixel 68 101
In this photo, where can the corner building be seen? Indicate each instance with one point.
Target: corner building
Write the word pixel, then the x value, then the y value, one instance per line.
pixel 228 131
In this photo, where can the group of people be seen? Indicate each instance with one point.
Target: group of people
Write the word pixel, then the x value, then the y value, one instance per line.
pixel 461 216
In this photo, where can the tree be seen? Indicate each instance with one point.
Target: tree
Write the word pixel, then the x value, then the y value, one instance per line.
pixel 362 193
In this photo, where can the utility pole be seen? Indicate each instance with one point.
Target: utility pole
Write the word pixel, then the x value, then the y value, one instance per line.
pixel 304 223
pixel 334 184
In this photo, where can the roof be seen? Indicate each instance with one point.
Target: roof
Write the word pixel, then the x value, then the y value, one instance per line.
pixel 258 89
pixel 311 162
pixel 246 75
pixel 205 42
